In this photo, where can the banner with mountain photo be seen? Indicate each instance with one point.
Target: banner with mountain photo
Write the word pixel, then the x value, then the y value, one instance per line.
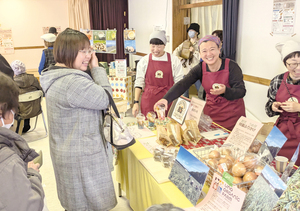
pixel 189 175
pixel 129 41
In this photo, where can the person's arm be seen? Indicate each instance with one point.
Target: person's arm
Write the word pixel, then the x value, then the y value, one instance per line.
pixel 237 86
pixel 273 88
pixel 177 52
pixel 42 63
pixel 23 189
pixel 139 82
pixel 137 93
pixel 181 86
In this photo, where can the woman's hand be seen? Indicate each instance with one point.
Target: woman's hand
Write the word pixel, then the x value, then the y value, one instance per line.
pixel 290 106
pixel 161 102
pixel 34 166
pixel 221 90
pixel 191 49
pixel 94 61
pixel 276 106
pixel 135 109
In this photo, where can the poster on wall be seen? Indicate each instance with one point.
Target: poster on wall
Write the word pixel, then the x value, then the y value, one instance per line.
pixel 46 29
pixel 102 41
pixel 6 41
pixel 129 42
pixel 111 44
pixel 283 20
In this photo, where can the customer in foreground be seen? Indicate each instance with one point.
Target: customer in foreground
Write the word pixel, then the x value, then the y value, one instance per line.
pixel 82 160
pixel 21 184
pixel 284 98
pixel 222 80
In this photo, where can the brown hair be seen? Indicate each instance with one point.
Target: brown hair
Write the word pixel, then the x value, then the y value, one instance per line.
pixel 9 94
pixel 67 45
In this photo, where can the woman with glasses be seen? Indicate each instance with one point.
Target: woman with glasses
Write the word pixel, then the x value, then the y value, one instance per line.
pixel 82 160
pixel 284 97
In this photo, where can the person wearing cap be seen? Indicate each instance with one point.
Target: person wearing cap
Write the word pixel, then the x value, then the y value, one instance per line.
pixel 156 74
pixel 187 64
pixel 47 55
pixel 26 83
pixel 53 30
pixel 222 80
pixel 284 97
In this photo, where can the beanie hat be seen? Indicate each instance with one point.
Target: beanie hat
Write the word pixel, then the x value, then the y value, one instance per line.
pixel 18 67
pixel 49 37
pixel 194 26
pixel 285 48
pixel 161 35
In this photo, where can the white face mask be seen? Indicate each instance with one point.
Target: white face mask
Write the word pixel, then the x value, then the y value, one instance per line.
pixel 8 125
pixel 191 34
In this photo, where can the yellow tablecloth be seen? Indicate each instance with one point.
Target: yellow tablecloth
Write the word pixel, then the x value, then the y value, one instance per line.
pixel 140 187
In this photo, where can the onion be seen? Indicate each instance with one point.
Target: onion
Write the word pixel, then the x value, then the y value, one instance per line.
pixel 214 154
pixel 213 163
pixel 227 152
pixel 245 189
pixel 238 169
pixel 249 176
pixel 230 158
pixel 250 161
pixel 237 180
pixel 258 170
pixel 227 161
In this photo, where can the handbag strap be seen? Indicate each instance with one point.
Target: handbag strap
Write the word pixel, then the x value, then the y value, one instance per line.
pixel 112 103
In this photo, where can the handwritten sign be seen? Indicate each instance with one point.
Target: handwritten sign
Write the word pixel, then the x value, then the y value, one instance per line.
pixel 195 109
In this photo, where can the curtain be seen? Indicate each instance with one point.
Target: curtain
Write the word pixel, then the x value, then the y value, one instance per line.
pixel 230 24
pixel 110 14
pixel 209 18
pixel 79 14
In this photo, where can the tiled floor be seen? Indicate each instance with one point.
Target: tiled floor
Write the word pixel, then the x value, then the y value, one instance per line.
pixel 47 172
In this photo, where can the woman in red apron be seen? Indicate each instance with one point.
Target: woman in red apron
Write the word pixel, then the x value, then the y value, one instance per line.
pixel 284 98
pixel 157 72
pixel 222 80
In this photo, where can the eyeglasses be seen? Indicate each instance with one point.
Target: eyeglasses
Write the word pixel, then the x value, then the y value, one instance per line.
pixel 293 65
pixel 87 52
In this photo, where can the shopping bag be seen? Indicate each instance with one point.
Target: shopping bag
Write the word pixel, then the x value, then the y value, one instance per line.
pixel 114 129
pixel 185 52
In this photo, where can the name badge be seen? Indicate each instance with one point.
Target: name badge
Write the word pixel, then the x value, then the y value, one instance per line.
pixel 159 74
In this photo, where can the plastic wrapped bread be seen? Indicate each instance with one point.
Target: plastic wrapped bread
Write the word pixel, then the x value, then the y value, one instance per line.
pixel 191 133
pixel 162 136
pixel 174 133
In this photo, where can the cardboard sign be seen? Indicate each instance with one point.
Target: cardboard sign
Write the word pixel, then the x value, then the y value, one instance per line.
pixel 195 109
pixel 121 70
pixel 179 109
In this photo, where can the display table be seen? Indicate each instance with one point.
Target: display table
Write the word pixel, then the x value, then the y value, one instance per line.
pixel 140 187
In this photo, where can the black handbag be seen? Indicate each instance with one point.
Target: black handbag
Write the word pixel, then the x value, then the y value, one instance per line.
pixel 114 129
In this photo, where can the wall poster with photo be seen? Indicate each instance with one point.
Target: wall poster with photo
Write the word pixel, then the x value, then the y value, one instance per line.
pixel 129 42
pixel 6 41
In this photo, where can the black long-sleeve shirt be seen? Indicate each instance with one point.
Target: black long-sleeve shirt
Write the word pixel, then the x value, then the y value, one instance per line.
pixel 235 91
pixel 5 67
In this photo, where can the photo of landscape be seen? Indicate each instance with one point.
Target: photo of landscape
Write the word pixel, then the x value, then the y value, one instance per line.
pixel 189 175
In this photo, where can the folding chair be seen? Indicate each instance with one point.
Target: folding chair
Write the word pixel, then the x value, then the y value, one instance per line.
pixel 31 96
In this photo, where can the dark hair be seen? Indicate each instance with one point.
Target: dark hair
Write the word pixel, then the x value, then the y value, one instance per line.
pixel 219 33
pixel 291 55
pixel 67 45
pixel 156 41
pixel 9 97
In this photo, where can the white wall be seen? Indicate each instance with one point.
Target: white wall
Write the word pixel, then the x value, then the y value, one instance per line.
pixel 256 53
pixel 143 16
pixel 26 19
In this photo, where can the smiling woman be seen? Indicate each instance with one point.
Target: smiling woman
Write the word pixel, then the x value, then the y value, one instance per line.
pixel 81 159
pixel 226 73
pixel 284 97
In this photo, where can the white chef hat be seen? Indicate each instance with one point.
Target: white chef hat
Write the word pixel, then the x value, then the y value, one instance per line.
pixel 287 47
pixel 49 37
pixel 161 35
pixel 18 67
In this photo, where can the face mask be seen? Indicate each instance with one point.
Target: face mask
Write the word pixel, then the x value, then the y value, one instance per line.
pixel 8 125
pixel 191 34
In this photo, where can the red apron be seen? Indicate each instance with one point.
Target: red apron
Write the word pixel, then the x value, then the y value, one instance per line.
pixel 222 111
pixel 289 123
pixel 158 80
